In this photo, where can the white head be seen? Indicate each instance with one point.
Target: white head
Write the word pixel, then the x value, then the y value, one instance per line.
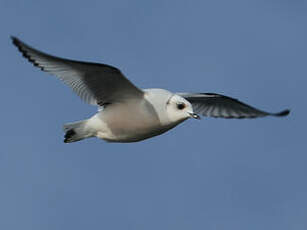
pixel 179 109
pixel 170 108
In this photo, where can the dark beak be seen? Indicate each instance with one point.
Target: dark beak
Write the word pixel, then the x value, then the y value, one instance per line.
pixel 194 115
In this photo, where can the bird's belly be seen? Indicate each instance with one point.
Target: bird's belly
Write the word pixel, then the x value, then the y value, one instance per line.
pixel 127 136
pixel 130 126
pixel 133 130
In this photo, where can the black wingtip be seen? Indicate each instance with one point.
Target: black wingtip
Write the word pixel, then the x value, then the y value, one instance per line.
pixel 15 40
pixel 282 113
pixel 22 47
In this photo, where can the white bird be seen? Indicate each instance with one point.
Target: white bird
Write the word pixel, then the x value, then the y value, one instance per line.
pixel 127 113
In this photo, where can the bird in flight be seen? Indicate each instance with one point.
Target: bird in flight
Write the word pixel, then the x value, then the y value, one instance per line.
pixel 127 113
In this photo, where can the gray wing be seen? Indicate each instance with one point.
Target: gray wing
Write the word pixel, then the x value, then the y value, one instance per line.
pixel 96 84
pixel 216 105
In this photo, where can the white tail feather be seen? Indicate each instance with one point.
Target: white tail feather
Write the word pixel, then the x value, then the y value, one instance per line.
pixel 76 131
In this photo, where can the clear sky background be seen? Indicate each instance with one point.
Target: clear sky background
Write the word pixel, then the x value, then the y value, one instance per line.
pixel 209 174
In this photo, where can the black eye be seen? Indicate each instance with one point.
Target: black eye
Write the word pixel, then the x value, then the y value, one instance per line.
pixel 180 106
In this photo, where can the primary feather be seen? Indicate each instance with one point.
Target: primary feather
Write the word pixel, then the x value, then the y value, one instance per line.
pixel 96 84
pixel 217 105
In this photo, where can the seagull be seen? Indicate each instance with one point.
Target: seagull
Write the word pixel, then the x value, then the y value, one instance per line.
pixel 127 113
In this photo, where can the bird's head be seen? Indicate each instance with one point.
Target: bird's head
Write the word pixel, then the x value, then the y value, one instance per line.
pixel 179 109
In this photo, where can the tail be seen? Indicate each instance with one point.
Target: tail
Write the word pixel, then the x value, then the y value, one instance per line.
pixel 76 131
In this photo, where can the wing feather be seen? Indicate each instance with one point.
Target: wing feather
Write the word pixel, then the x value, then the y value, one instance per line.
pixel 217 105
pixel 95 83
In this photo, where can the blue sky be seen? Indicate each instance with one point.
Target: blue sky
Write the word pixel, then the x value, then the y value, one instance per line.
pixel 209 174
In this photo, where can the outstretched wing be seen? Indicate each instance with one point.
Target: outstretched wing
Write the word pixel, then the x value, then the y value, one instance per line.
pixel 96 84
pixel 216 105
